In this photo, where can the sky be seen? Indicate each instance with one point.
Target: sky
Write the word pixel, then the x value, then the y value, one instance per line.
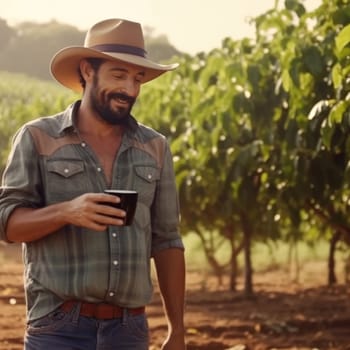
pixel 190 25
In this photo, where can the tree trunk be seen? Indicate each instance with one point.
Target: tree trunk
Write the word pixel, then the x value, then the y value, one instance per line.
pixel 248 270
pixel 332 278
pixel 293 261
pixel 234 269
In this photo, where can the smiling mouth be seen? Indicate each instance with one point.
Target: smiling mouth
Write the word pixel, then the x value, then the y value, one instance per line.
pixel 122 98
pixel 121 101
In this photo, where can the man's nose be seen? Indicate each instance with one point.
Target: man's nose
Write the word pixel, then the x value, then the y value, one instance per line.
pixel 131 88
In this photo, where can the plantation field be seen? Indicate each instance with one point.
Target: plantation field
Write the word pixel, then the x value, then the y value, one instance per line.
pixel 259 131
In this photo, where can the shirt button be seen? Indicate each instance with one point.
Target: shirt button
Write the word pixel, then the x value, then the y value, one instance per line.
pixel 83 144
pixel 149 176
pixel 111 294
pixel 115 262
pixel 66 171
pixel 99 170
pixel 114 234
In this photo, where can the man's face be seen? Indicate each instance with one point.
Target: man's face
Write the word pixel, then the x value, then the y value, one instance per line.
pixel 114 90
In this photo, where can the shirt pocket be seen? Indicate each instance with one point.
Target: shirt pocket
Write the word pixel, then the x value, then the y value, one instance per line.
pixel 66 179
pixel 145 182
pixel 65 168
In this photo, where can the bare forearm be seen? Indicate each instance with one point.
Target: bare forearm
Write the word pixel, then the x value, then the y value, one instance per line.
pixel 170 265
pixel 88 210
pixel 28 224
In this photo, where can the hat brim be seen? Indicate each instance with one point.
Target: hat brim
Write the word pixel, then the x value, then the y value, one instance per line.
pixel 65 65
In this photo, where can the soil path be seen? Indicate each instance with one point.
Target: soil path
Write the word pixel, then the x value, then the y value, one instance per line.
pixel 281 315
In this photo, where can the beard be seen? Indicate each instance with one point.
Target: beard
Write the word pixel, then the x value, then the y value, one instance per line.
pixel 101 103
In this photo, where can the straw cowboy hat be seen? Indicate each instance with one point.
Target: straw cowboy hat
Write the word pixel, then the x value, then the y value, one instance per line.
pixel 115 39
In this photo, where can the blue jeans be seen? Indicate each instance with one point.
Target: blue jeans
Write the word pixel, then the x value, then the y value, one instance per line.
pixel 70 331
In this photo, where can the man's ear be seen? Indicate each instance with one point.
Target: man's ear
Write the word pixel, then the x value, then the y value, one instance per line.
pixel 86 70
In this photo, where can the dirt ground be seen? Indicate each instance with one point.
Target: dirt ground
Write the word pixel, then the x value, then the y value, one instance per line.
pixel 282 315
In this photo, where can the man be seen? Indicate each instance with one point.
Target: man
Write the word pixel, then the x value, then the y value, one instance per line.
pixel 87 277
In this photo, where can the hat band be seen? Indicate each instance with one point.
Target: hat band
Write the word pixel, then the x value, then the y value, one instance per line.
pixel 133 50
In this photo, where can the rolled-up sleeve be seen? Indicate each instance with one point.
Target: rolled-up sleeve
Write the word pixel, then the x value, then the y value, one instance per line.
pixel 21 179
pixel 166 209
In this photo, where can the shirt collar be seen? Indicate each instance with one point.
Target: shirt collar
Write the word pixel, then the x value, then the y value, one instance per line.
pixel 68 117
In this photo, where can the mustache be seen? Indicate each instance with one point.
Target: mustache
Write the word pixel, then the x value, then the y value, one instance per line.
pixel 122 96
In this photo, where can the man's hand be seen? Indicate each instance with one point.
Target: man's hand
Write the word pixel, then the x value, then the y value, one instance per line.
pixel 91 210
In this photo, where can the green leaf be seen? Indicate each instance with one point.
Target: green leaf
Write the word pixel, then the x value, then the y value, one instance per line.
pixel 296 6
pixel 254 75
pixel 319 109
pixel 327 133
pixel 313 60
pixel 342 15
pixel 342 39
pixel 286 81
pixel 294 71
pixel 337 112
pixel 337 75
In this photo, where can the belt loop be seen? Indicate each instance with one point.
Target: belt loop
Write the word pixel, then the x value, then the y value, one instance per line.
pixel 76 312
pixel 124 316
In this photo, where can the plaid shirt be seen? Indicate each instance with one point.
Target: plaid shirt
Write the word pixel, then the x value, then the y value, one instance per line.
pixel 50 164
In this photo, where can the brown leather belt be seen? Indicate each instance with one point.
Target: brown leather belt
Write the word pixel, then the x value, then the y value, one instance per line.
pixel 101 311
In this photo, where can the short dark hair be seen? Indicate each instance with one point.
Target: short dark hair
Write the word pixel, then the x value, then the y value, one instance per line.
pixel 95 64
